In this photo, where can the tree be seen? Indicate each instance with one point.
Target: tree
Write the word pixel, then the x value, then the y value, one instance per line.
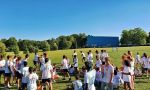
pixel 136 36
pixel 45 46
pixel 54 46
pixel 148 38
pixel 2 48
pixel 125 38
pixel 12 45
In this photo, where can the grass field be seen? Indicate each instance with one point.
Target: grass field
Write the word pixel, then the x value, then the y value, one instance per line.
pixel 142 83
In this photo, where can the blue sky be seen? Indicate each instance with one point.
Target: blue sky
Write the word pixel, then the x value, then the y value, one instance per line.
pixel 44 19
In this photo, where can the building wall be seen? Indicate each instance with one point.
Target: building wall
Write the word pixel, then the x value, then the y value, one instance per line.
pixel 102 41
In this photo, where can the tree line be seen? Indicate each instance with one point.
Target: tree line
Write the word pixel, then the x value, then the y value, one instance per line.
pixel 136 36
pixel 30 46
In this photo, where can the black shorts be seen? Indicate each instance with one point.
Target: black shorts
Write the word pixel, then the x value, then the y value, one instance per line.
pixel 18 75
pixel 35 62
pixel 2 72
pixel 46 80
pixel 24 85
pixel 7 74
pixel 144 69
pixel 65 70
pixel 103 63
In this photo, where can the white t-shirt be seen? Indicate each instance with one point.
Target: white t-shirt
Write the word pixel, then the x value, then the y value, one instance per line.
pixel 126 78
pixel 46 71
pixel 75 61
pixel 36 57
pixel 2 65
pixel 8 66
pixel 89 78
pixel 108 70
pixel 98 76
pixel 98 63
pixel 77 85
pixel 65 64
pixel 22 64
pixel 145 62
pixel 137 59
pixel 117 80
pixel 104 55
pixel 83 54
pixel 31 81
pixel 74 54
pixel 90 57
pixel 25 73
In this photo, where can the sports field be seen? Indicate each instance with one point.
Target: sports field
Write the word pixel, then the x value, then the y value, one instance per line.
pixel 141 83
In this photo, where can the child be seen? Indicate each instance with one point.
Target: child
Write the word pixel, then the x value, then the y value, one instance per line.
pixel 2 67
pixel 47 74
pixel 25 73
pixel 75 61
pixel 8 71
pixel 31 80
pixel 98 62
pixel 117 80
pixel 77 84
pixel 98 79
pixel 137 72
pixel 71 70
pixel 126 74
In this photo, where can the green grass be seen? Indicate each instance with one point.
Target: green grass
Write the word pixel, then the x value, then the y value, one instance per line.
pixel 56 57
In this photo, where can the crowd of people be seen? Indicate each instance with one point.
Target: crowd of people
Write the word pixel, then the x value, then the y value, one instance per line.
pixel 99 74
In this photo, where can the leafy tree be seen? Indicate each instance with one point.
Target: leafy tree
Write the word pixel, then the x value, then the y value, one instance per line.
pixel 45 46
pixel 2 48
pixel 54 46
pixel 148 38
pixel 136 36
pixel 12 45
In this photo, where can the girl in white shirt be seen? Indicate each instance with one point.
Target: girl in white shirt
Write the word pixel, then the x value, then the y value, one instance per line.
pixel 126 75
pixel 31 80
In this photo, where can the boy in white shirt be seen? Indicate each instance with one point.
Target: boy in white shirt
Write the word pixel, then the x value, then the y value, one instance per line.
pixel 89 77
pixel 31 80
pixel 77 84
pixel 25 73
pixel 35 61
pixel 137 59
pixel 145 61
pixel 65 67
pixel 98 79
pixel 47 74
pixel 98 62
pixel 75 62
pixel 24 60
pixel 83 56
pixel 2 67
pixel 74 53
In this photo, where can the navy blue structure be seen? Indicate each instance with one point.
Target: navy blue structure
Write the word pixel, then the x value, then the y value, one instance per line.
pixel 102 41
